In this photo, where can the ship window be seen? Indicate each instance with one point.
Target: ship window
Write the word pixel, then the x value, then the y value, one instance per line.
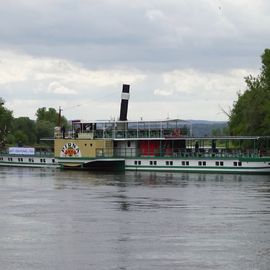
pixel 171 162
pixel 204 163
pixel 185 163
pixel 128 143
pixel 167 163
pixel 1 158
pixel 217 163
pixel 239 163
pixel 10 159
pixel 234 163
pixel 155 162
pixel 136 162
pixel 151 162
pixel 41 160
pixel 221 163
pixel 53 160
pixel 200 163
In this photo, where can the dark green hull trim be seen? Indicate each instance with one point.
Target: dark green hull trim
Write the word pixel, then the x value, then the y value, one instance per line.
pixel 220 170
pixel 99 165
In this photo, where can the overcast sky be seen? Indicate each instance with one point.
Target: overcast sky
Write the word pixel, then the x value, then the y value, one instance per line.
pixel 183 58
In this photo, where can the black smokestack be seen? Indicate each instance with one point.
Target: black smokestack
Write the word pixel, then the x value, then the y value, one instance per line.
pixel 124 103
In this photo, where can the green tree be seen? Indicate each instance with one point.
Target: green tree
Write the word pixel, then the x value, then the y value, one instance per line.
pixel 250 114
pixel 46 121
pixel 24 130
pixel 5 122
pixel 21 138
pixel 44 129
pixel 47 115
pixel 50 115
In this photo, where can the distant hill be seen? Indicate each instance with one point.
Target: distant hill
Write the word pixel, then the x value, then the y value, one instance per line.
pixel 204 127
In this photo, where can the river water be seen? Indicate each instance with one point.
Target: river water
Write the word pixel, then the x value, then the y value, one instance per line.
pixel 52 219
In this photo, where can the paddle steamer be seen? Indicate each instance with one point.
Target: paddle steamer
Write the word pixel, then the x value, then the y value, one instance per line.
pixel 167 145
pixel 156 146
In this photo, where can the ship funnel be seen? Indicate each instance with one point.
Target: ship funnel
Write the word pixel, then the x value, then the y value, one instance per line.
pixel 124 102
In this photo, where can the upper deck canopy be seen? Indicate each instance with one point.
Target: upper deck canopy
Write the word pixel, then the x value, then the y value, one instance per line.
pixel 170 129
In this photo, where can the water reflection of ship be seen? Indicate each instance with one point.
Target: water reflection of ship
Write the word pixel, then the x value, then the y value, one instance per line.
pixel 163 178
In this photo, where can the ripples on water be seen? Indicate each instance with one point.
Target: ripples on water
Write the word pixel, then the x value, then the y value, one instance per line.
pixel 52 219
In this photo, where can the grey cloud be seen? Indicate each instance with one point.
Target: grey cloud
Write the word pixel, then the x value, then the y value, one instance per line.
pixel 151 38
pixel 156 34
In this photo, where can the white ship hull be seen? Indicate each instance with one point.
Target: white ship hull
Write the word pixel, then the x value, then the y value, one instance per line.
pixel 28 161
pixel 253 166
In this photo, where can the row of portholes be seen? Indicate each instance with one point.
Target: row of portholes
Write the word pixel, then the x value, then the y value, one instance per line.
pixel 186 163
pixel 43 160
pixel 31 160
